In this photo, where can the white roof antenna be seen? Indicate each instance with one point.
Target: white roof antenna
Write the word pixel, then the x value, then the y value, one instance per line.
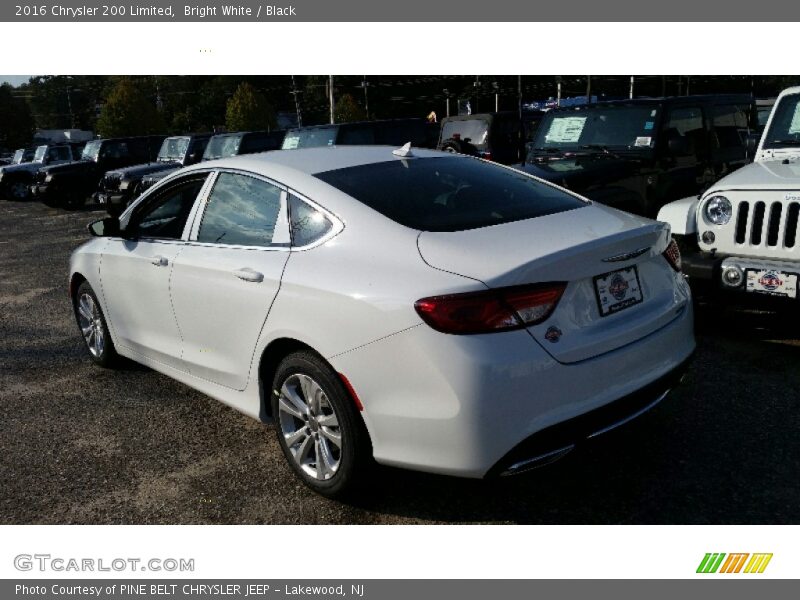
pixel 404 152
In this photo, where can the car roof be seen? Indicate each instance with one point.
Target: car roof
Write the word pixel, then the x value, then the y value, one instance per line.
pixel 311 161
pixel 697 98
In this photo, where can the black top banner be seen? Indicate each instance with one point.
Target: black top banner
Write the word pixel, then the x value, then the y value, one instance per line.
pixel 408 11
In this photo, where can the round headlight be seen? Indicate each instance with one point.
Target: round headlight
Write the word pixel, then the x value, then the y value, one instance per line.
pixel 718 210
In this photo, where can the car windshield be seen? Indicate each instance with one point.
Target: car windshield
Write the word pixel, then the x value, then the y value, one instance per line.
pixel 598 127
pixel 91 150
pixel 40 153
pixel 18 155
pixel 784 131
pixel 449 193
pixel 221 146
pixel 471 131
pixel 309 138
pixel 173 149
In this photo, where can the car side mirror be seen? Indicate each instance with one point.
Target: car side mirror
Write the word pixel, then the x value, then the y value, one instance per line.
pixel 108 227
pixel 751 144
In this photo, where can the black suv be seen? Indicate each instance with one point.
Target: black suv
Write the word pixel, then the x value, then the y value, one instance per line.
pixel 640 154
pixel 72 183
pixel 391 132
pixel 15 180
pixel 500 136
pixel 224 145
pixel 120 187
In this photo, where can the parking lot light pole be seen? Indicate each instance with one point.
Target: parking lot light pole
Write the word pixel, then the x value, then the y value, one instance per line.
pixel 330 92
pixel 630 94
pixel 297 103
pixel 447 100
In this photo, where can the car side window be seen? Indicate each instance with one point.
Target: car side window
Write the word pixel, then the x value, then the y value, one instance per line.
pixel 686 124
pixel 165 216
pixel 307 223
pixel 241 211
pixel 731 126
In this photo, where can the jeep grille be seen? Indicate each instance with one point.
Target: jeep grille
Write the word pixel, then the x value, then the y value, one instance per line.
pixel 767 224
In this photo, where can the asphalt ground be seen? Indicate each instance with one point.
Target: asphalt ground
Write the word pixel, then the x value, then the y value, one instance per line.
pixel 79 444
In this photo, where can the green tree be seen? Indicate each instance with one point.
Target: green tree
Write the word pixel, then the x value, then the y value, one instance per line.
pixel 16 123
pixel 347 110
pixel 129 110
pixel 248 110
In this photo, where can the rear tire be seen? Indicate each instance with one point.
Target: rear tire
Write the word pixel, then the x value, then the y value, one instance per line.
pixel 93 327
pixel 319 429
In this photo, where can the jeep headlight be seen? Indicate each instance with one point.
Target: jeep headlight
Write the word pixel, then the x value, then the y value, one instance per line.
pixel 718 210
pixel 124 184
pixel 48 178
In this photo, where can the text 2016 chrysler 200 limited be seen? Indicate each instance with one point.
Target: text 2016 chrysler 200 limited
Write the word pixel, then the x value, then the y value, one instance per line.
pixel 422 309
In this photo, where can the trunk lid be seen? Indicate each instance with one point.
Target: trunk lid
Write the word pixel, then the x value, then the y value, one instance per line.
pixel 575 246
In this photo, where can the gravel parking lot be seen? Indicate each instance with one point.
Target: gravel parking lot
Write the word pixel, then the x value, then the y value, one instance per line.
pixel 79 444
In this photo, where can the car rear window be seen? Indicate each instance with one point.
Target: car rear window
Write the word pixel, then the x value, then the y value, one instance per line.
pixel 472 131
pixel 449 193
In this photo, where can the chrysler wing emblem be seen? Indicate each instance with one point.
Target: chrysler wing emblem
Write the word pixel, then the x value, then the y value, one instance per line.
pixel 627 255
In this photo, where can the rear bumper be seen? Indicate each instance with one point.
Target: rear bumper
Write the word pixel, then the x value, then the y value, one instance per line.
pixel 554 442
pixel 39 190
pixel 463 405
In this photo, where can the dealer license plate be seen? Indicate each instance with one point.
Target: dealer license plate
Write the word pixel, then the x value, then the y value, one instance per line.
pixel 772 282
pixel 617 290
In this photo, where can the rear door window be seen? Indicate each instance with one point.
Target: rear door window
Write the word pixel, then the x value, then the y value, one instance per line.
pixel 241 211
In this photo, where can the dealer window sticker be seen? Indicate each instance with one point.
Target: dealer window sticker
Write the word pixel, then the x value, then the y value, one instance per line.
pixel 643 142
pixel 565 130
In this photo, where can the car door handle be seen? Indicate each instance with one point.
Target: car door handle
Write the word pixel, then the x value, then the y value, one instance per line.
pixel 159 261
pixel 247 274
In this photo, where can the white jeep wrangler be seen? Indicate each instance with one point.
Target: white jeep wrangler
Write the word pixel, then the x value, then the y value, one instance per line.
pixel 742 234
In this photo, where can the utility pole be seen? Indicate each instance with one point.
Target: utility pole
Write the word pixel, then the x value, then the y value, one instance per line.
pixel 630 94
pixel 496 96
pixel 688 78
pixel 588 89
pixel 330 92
pixel 297 103
pixel 69 104
pixel 447 99
pixel 519 95
pixel 558 91
pixel 365 85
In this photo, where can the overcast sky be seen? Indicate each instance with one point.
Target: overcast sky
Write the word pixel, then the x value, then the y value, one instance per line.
pixel 14 79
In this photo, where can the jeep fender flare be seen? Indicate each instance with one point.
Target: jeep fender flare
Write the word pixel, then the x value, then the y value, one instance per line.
pixel 681 215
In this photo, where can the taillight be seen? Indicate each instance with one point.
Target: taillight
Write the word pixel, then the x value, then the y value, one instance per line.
pixel 490 311
pixel 673 255
pixel 486 155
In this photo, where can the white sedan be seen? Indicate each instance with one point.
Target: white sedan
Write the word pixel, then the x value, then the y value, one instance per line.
pixel 415 308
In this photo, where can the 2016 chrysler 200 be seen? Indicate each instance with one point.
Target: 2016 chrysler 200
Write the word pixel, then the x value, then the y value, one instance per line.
pixel 422 309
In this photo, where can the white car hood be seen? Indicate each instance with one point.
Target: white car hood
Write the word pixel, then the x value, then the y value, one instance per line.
pixel 777 174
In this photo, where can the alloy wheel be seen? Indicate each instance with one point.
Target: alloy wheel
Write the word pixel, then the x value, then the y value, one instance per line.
pixel 310 427
pixel 91 324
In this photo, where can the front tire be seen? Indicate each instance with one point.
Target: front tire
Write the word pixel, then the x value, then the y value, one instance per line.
pixel 319 429
pixel 18 190
pixel 93 327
